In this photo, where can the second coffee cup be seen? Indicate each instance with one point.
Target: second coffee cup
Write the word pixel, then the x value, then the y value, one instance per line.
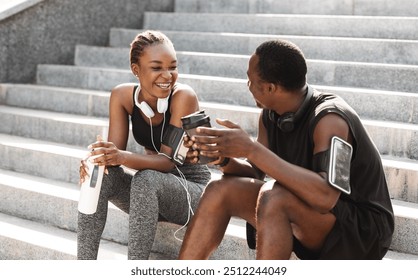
pixel 191 122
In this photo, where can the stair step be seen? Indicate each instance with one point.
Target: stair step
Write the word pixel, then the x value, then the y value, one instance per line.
pixel 37 195
pixel 379 76
pixel 58 99
pixel 71 129
pixel 331 7
pixel 369 104
pixel 27 240
pixel 314 47
pixel 41 158
pixel 54 203
pixel 391 138
pixel 332 73
pixel 61 161
pixel 384 27
pixel 406 218
pixel 394 255
pixel 401 179
pixel 92 78
pixel 370 59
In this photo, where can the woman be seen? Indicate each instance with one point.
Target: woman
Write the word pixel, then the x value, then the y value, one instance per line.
pixel 157 190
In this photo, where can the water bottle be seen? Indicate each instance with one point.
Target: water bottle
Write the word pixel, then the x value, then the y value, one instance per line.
pixel 90 189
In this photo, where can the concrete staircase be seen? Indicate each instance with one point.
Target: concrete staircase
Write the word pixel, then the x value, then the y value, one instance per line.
pixel 367 53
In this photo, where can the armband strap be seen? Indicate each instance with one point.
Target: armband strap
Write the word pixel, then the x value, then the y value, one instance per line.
pixel 320 162
pixel 172 136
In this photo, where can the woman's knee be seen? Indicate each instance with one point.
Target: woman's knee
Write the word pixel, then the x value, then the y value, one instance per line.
pixel 146 180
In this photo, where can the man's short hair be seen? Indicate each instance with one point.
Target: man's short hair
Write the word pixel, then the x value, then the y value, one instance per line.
pixel 282 62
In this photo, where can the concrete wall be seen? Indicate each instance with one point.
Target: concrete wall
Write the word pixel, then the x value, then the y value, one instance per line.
pixel 48 31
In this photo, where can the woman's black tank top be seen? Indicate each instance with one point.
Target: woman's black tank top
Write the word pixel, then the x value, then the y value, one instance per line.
pixel 141 128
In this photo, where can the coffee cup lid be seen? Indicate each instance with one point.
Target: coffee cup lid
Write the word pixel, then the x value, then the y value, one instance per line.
pixel 194 120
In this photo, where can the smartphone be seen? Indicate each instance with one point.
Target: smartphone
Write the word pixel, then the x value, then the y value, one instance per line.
pixel 339 165
pixel 180 152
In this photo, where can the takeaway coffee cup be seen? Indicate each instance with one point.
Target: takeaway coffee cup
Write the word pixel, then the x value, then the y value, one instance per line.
pixel 191 122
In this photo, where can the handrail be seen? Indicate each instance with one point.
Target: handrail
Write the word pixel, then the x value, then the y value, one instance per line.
pixel 11 7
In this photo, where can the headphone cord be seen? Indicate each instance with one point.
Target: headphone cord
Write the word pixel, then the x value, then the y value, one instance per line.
pixel 182 176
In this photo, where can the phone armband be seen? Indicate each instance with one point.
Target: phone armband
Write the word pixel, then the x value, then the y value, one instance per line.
pixel 174 137
pixel 336 162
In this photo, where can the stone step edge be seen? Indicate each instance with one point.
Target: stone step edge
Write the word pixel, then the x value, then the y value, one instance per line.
pixel 88 77
pixel 72 154
pixel 80 48
pixel 353 7
pixel 99 120
pixel 402 210
pixel 168 234
pixel 49 67
pixel 75 153
pixel 104 93
pixel 34 237
pixel 113 30
pixel 184 14
pixel 103 121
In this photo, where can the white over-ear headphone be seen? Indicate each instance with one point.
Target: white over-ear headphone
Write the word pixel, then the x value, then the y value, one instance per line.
pixel 162 105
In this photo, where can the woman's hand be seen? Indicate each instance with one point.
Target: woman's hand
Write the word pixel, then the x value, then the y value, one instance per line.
pixel 84 170
pixel 102 153
pixel 105 153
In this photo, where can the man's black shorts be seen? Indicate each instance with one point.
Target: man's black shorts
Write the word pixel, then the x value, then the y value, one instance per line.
pixel 359 233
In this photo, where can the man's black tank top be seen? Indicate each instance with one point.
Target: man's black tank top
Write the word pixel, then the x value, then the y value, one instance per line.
pixel 368 182
pixel 141 128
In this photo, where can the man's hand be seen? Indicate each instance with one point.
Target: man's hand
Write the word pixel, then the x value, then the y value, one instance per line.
pixel 231 141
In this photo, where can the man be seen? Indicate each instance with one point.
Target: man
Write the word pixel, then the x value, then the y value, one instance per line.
pixel 299 209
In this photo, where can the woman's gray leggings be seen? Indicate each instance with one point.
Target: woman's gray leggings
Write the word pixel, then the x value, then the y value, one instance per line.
pixel 146 196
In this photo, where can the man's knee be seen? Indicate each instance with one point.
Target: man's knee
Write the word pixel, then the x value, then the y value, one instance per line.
pixel 215 190
pixel 274 198
pixel 219 191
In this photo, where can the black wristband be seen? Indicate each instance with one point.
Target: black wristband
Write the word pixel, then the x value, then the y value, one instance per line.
pixel 224 162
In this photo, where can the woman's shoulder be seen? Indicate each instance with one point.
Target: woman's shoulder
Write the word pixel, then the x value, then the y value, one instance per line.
pixel 123 91
pixel 123 88
pixel 122 94
pixel 184 101
pixel 183 90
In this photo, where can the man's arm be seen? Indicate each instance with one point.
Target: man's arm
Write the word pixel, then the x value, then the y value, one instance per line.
pixel 244 168
pixel 309 186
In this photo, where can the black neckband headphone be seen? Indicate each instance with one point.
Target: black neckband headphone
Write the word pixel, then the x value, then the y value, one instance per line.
pixel 287 121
